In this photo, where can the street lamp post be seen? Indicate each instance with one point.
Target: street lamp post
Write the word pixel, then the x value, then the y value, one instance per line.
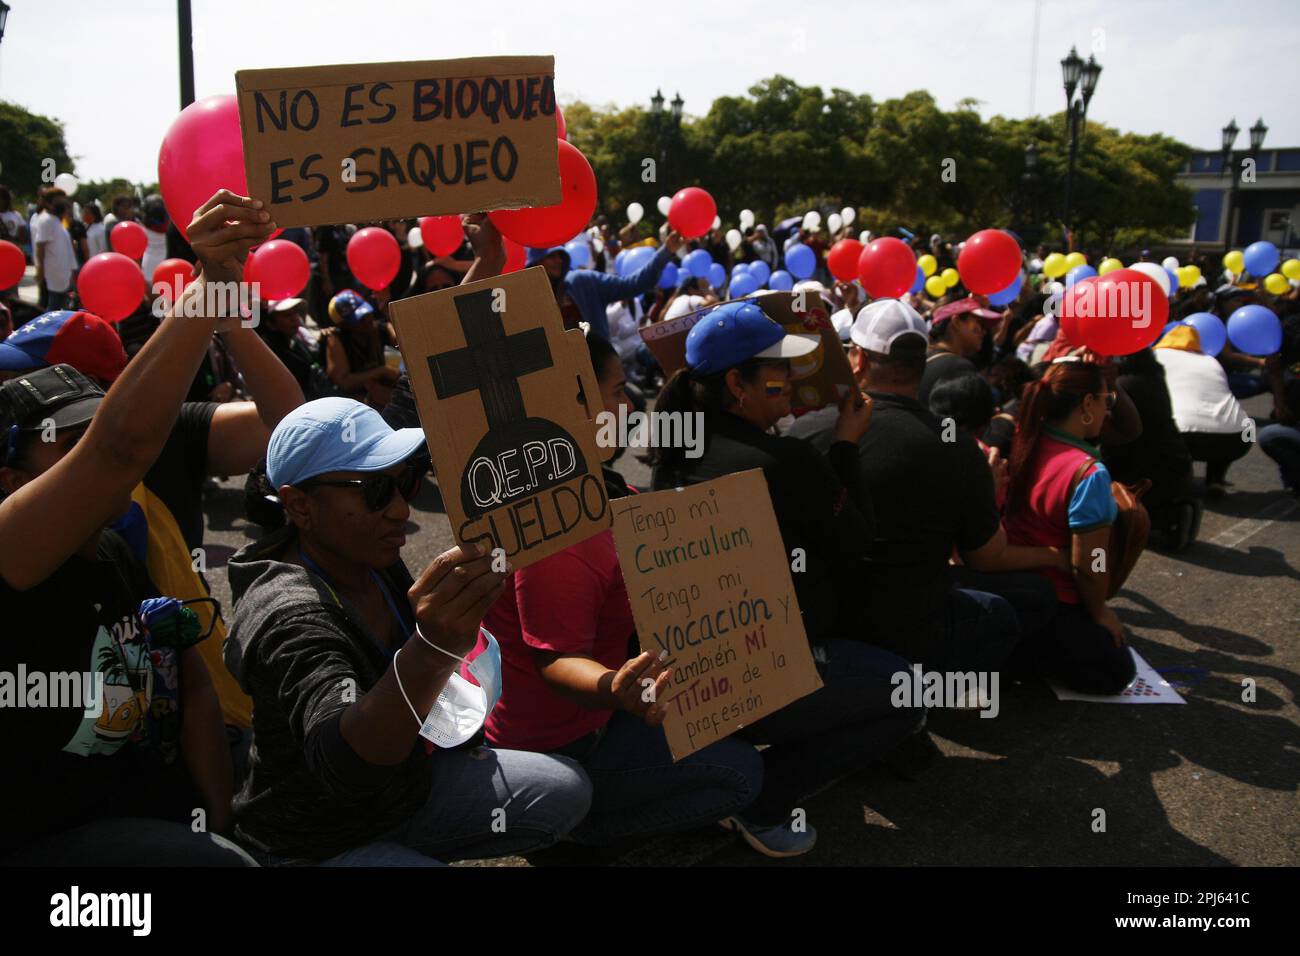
pixel 1029 194
pixel 658 121
pixel 1076 74
pixel 1229 133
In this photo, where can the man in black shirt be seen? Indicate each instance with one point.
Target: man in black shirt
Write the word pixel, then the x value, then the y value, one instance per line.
pixel 933 492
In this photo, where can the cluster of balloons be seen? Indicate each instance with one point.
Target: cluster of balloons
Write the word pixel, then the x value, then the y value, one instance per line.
pixel 1057 265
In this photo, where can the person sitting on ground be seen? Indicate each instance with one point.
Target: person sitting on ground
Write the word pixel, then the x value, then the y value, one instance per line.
pixel 936 490
pixel 957 333
pixel 1209 417
pixel 344 655
pixel 282 331
pixel 737 377
pixel 354 351
pixel 90 789
pixel 1060 496
pixel 1281 440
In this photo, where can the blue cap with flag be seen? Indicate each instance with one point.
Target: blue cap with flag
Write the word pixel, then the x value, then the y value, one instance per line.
pixel 737 331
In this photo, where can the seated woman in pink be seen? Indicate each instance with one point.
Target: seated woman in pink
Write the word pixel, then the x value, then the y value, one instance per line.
pixel 1059 495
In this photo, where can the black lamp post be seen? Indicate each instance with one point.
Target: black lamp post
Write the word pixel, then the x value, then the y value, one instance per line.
pixel 4 17
pixel 657 119
pixel 1029 194
pixel 1257 134
pixel 1076 74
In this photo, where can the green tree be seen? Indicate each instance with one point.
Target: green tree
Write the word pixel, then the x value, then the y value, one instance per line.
pixel 26 140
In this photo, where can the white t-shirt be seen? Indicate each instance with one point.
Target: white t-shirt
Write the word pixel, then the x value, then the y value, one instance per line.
pixel 154 253
pixel 1198 389
pixel 60 260
pixel 12 224
pixel 96 239
pixel 684 305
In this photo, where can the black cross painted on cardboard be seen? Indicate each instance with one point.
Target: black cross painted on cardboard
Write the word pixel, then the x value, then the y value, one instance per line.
pixel 491 363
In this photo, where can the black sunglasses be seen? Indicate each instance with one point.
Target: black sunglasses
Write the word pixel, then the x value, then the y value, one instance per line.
pixel 378 489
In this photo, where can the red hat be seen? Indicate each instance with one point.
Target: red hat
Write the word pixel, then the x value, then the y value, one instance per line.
pixel 961 307
pixel 80 339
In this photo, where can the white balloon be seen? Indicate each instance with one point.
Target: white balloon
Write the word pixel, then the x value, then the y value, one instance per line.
pixel 67 182
pixel 598 244
pixel 834 222
pixel 1170 263
pixel 848 214
pixel 1156 272
pixel 663 205
pixel 415 238
pixel 864 236
pixel 733 239
pixel 746 218
pixel 634 212
pixel 811 220
pixel 717 221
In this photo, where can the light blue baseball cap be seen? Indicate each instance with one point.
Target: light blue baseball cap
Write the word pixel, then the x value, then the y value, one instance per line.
pixel 335 434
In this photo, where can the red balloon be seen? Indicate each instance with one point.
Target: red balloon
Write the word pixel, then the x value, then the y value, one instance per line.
pixel 544 226
pixel 1119 313
pixel 282 270
pixel 373 256
pixel 887 268
pixel 111 286
pixel 130 239
pixel 202 151
pixel 692 212
pixel 989 262
pixel 13 265
pixel 843 258
pixel 442 235
pixel 561 127
pixel 1071 304
pixel 170 277
pixel 516 255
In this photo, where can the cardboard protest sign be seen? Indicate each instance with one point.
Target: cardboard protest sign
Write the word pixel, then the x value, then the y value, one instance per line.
pixel 821 378
pixel 508 401
pixel 709 583
pixel 359 143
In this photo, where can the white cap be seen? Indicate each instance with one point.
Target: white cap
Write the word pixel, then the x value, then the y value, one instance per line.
pixel 843 321
pixel 881 322
pixel 284 305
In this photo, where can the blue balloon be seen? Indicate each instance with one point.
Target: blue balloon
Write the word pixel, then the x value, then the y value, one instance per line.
pixel 1173 281
pixel 1210 329
pixel 579 253
pixel 800 261
pixel 1077 274
pixel 1261 258
pixel 668 279
pixel 697 263
pixel 1009 294
pixel 1255 330
pixel 619 260
pixel 717 275
pixel 919 284
pixel 742 285
pixel 781 281
pixel 761 271
pixel 738 268
pixel 637 259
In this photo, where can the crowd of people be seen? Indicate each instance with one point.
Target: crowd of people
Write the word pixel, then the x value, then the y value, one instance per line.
pixel 950 509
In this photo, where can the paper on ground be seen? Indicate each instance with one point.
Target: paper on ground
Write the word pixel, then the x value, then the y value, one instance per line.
pixel 1147 687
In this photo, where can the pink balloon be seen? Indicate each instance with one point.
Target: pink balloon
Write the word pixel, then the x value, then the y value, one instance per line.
pixel 202 151
pixel 130 239
pixel 111 286
pixel 282 269
pixel 442 235
pixel 13 265
pixel 692 212
pixel 373 256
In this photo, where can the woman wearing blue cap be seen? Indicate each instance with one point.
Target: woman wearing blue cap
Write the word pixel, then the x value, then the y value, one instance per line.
pixel 737 377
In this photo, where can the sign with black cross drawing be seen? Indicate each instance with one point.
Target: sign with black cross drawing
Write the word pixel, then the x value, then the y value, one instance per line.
pixel 508 401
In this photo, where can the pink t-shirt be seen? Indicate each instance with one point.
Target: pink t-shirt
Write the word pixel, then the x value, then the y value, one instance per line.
pixel 574 602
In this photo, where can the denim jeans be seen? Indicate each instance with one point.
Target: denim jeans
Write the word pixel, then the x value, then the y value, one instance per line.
pixel 1282 444
pixel 130 841
pixel 483 803
pixel 637 790
pixel 1246 384
pixel 1031 595
pixel 842 727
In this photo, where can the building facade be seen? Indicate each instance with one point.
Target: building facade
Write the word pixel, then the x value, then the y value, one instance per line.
pixel 1266 204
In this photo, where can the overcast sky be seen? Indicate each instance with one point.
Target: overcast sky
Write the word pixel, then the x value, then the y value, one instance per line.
pixel 109 69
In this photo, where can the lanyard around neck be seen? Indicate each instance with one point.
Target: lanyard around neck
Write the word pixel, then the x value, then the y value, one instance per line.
pixel 315 569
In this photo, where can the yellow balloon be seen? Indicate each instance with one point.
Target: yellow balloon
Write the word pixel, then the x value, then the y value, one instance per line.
pixel 935 286
pixel 1276 284
pixel 1193 274
pixel 1075 259
pixel 1185 278
pixel 950 277
pixel 1235 261
pixel 928 264
pixel 1108 265
pixel 1291 269
pixel 1054 266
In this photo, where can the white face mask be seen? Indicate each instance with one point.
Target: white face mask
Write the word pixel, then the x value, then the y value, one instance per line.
pixel 462 707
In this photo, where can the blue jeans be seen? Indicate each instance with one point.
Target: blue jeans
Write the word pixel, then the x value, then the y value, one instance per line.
pixel 637 790
pixel 1032 596
pixel 483 803
pixel 1246 384
pixel 1282 444
pixel 130 841
pixel 55 301
pixel 840 728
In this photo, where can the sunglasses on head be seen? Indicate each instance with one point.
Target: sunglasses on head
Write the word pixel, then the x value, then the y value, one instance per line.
pixel 377 489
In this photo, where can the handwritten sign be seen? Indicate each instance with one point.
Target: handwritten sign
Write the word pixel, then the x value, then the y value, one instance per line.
pixel 821 378
pixel 332 144
pixel 708 582
pixel 508 400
